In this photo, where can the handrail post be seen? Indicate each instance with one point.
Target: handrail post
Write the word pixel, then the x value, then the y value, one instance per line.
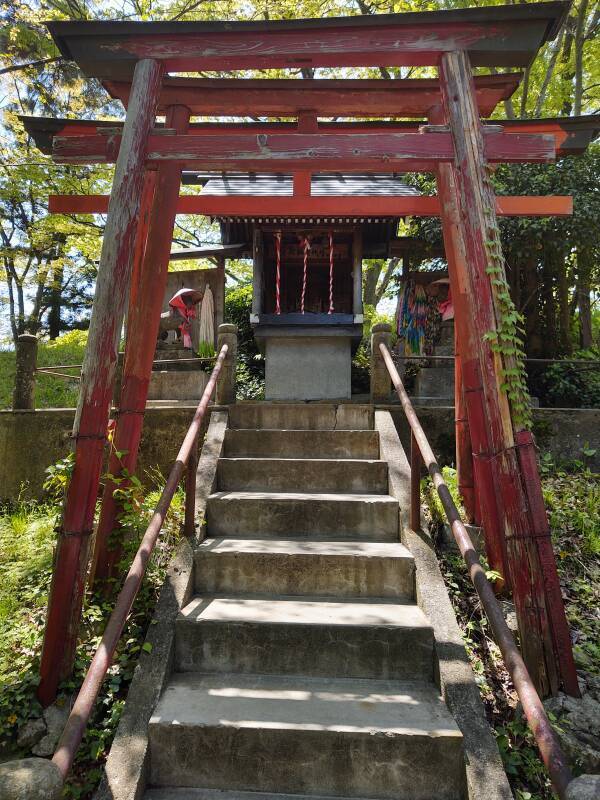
pixel 226 384
pixel 189 523
pixel 381 385
pixel 416 464
pixel 26 362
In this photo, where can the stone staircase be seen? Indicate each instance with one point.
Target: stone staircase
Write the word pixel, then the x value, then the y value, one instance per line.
pixel 303 665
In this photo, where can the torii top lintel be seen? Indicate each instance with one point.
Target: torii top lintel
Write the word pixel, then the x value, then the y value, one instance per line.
pixel 494 36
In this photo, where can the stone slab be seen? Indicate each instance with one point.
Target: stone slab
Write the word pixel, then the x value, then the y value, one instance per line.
pixel 171 793
pixel 302 416
pixel 308 475
pixel 299 567
pixel 302 735
pixel 305 636
pixel 435 382
pixel 177 384
pixel 308 368
pixel 340 516
pixel 302 444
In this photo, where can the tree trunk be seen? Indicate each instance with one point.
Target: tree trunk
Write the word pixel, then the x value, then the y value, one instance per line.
pixel 371 273
pixel 564 335
pixel 530 308
pixel 579 42
pixel 550 340
pixel 583 290
pixel 54 322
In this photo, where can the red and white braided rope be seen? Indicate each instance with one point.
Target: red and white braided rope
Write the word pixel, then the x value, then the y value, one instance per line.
pixel 306 244
pixel 330 272
pixel 278 273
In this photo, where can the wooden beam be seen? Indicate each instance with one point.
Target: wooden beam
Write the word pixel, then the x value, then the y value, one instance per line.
pixel 91 419
pixel 497 36
pixel 570 136
pixel 388 152
pixel 343 206
pixel 328 98
pixel 544 633
pixel 143 322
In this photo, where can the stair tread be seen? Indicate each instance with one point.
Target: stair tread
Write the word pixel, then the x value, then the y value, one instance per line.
pixel 343 705
pixel 275 459
pixel 293 547
pixel 305 496
pixel 324 612
pixel 327 431
pixel 192 793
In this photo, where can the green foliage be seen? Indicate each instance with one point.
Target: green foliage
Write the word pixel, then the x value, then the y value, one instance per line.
pixel 573 502
pixel 507 338
pixel 27 539
pixel 251 365
pixel 206 350
pixel 59 475
pixel 361 362
pixel 572 385
pixel 50 391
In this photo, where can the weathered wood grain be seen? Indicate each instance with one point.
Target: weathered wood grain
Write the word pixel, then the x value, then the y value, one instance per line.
pixel 380 151
pixel 356 205
pixel 545 638
pixel 143 320
pixel 328 98
pixel 89 432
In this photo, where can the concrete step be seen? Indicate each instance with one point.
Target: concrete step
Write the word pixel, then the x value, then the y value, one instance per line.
pixel 320 637
pixel 173 793
pixel 300 567
pixel 306 475
pixel 301 444
pixel 264 733
pixel 307 416
pixel 279 514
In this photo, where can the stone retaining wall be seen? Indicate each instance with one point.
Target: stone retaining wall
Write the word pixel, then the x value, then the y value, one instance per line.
pixel 31 440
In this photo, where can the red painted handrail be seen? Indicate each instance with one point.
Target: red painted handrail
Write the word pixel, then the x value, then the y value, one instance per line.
pixel 80 713
pixel 546 739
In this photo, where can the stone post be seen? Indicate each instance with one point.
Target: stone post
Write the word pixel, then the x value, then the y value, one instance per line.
pixel 24 391
pixel 381 383
pixel 226 383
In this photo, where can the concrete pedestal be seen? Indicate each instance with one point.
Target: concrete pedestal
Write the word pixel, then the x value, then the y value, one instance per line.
pixel 308 367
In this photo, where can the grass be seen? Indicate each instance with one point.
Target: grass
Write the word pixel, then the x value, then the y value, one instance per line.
pixel 27 540
pixel 50 391
pixel 573 501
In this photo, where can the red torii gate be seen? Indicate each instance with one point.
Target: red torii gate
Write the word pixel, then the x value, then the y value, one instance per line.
pixel 132 59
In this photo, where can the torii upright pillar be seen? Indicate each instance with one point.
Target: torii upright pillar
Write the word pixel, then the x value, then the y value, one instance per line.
pixel 97 380
pixel 531 568
pixel 142 331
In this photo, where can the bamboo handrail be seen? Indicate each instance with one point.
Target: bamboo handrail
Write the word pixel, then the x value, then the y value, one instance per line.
pixel 537 719
pixel 76 723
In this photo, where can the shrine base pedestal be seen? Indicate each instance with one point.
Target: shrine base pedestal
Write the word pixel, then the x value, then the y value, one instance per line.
pixel 308 367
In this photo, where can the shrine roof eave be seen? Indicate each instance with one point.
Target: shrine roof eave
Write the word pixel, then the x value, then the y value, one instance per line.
pixel 507 35
pixel 578 132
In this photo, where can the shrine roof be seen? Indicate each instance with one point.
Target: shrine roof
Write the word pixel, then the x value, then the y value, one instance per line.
pixel 322 185
pixel 506 35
